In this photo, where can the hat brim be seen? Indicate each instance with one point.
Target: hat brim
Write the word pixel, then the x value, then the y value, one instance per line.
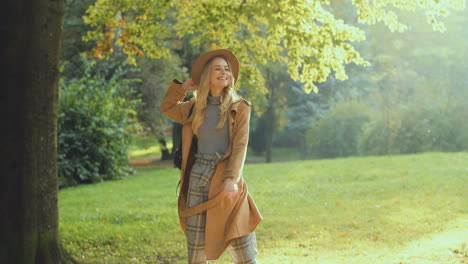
pixel 204 58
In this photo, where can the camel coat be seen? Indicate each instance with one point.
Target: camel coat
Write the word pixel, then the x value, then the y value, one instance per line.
pixel 226 218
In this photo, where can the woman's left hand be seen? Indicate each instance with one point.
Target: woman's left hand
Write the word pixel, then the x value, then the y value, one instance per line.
pixel 230 189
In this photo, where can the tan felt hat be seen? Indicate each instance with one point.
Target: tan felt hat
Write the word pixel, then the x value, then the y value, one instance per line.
pixel 204 58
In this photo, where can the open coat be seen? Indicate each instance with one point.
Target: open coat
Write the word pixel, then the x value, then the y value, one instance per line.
pixel 226 218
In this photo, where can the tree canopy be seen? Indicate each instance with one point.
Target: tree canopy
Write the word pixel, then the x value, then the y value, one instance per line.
pixel 305 35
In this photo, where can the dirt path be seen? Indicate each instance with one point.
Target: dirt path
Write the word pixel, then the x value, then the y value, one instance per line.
pixel 448 247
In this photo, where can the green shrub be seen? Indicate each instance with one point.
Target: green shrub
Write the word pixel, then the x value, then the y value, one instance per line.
pixel 96 115
pixel 337 133
pixel 418 129
pixel 374 138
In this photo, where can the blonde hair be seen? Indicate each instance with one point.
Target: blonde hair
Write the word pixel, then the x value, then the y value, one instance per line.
pixel 201 97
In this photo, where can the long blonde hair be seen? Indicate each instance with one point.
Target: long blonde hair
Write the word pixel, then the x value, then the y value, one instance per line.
pixel 201 95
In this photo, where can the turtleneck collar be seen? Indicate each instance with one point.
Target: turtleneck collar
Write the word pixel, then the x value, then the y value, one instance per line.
pixel 214 100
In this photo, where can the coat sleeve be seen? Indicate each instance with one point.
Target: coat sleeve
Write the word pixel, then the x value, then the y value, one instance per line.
pixel 171 105
pixel 239 145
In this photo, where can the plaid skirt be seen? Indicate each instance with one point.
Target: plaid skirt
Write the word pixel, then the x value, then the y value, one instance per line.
pixel 243 249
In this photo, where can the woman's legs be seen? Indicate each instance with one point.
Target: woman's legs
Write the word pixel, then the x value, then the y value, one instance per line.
pixel 195 228
pixel 243 250
pixel 199 185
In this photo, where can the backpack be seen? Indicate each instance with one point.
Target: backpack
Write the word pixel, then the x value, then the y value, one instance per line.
pixel 177 158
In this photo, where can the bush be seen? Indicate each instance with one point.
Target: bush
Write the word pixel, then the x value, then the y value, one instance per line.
pixel 337 133
pixel 95 117
pixel 418 129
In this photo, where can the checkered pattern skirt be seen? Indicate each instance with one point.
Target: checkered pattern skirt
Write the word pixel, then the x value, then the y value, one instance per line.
pixel 243 249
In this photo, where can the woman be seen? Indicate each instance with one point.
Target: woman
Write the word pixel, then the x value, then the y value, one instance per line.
pixel 215 209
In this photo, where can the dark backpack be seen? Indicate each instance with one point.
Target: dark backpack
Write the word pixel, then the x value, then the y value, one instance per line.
pixel 178 152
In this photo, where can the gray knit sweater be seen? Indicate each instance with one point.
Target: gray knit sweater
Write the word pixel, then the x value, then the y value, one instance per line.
pixel 210 139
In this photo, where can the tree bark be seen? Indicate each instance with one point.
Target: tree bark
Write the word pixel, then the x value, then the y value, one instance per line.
pixel 165 155
pixel 30 31
pixel 271 124
pixel 270 132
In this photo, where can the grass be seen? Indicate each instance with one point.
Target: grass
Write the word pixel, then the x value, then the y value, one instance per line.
pixel 395 210
pixel 146 146
pixel 278 154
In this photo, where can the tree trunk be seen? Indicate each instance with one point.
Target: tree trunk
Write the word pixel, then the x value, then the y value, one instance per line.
pixel 165 155
pixel 271 123
pixel 270 133
pixel 30 44
pixel 303 150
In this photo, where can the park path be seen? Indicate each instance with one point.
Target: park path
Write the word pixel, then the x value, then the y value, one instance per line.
pixel 449 246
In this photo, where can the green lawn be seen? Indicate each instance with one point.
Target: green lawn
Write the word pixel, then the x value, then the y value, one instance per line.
pixel 395 210
pixel 146 146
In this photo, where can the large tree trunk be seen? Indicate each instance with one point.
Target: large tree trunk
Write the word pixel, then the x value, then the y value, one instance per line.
pixel 30 31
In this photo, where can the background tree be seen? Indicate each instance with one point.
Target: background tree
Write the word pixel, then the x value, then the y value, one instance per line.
pixel 73 47
pixel 277 87
pixel 303 35
pixel 156 76
pixel 414 92
pixel 315 40
pixel 303 110
pixel 28 157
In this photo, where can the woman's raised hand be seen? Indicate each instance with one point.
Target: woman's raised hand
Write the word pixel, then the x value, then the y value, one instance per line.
pixel 189 85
